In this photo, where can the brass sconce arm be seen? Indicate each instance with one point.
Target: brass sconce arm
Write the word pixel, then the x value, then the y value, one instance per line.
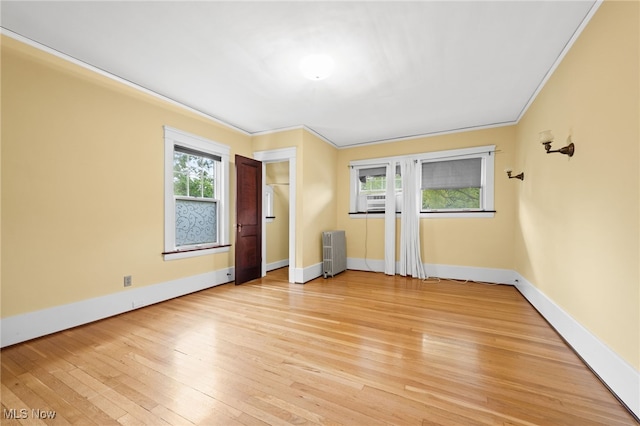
pixel 567 150
pixel 546 140
pixel 518 176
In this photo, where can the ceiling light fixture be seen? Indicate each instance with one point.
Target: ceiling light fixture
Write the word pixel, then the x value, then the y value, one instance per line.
pixel 316 67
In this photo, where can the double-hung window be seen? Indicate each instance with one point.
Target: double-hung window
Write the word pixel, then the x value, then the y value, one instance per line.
pixel 458 181
pixel 370 188
pixel 452 185
pixel 196 195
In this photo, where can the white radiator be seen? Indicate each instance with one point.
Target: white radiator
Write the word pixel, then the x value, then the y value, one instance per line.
pixel 334 252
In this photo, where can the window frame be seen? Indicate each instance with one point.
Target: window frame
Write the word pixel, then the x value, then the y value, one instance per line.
pixel 482 200
pixel 355 186
pixel 173 137
pixel 486 152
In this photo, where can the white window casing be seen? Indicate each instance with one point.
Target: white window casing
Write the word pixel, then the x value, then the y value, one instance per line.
pixel 172 138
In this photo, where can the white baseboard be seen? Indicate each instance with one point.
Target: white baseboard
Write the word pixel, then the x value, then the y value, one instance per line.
pixel 359 264
pixel 472 273
pixel 621 378
pixel 20 328
pixel 277 265
pixel 491 275
pixel 303 275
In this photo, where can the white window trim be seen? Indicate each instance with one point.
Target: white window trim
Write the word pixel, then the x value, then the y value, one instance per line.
pixel 355 167
pixel 174 137
pixel 487 153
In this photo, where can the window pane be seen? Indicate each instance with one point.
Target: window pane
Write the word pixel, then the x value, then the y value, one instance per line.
pixel 379 184
pixel 374 184
pixel 194 180
pixel 207 189
pixel 452 174
pixel 443 199
pixel 196 222
pixel 179 161
pixel 179 184
pixel 208 186
pixel 179 173
pixel 364 174
pixel 207 165
pixel 193 176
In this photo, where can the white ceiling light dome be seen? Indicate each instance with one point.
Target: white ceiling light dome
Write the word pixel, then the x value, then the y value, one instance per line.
pixel 317 67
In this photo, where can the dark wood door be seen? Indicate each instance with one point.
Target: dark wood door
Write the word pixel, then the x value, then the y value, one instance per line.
pixel 248 219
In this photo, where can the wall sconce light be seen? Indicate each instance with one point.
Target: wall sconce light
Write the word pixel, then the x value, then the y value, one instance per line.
pixel 546 138
pixel 520 176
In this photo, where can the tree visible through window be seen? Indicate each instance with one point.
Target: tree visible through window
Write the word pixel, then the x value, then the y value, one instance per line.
pixel 193 175
pixel 452 184
pixel 441 199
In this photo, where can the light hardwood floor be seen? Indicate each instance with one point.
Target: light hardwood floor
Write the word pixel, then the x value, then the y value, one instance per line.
pixel 357 349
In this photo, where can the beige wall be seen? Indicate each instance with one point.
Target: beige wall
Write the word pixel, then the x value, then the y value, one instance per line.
pixel 480 242
pixel 82 183
pixel 277 234
pixel 577 227
pixel 319 203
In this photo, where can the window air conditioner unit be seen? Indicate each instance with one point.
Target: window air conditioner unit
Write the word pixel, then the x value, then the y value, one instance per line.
pixel 376 202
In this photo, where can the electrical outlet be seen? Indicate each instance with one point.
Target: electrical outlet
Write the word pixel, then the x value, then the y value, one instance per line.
pixel 127 280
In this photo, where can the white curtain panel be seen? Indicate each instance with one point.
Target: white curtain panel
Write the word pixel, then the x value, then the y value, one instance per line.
pixel 410 259
pixel 390 222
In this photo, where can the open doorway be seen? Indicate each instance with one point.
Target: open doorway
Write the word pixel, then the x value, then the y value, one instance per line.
pixel 276 211
pixel 274 156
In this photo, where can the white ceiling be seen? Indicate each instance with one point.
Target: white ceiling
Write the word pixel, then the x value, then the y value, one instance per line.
pixel 403 69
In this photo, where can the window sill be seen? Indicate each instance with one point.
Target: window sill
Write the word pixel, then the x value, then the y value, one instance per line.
pixel 462 213
pixel 442 214
pixel 364 215
pixel 184 254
